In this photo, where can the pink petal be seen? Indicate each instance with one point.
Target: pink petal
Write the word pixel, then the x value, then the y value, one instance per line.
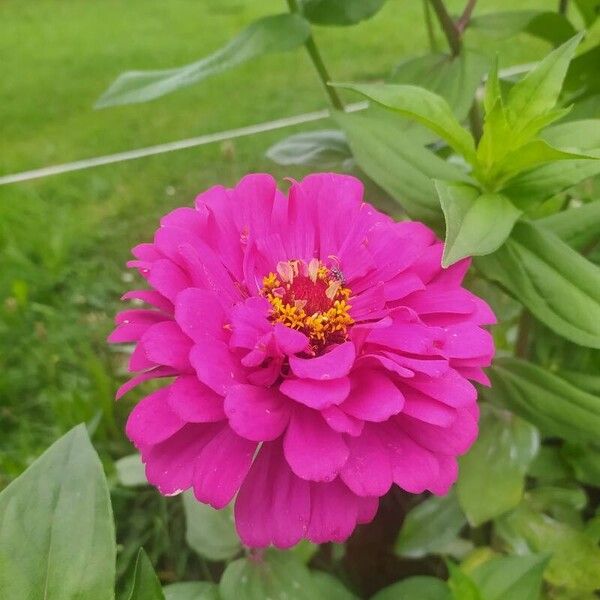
pixel 448 469
pixel 333 512
pixel 450 388
pixel 155 373
pixel 257 413
pixel 216 366
pixel 165 344
pixel 374 396
pixel 194 402
pixel 427 409
pixel 198 312
pixel 311 448
pixel 338 420
pixel 316 394
pixel 169 279
pixel 332 365
pixel 367 508
pixel 221 467
pixel 289 341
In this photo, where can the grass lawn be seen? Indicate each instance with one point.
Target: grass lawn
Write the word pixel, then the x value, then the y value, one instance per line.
pixel 64 239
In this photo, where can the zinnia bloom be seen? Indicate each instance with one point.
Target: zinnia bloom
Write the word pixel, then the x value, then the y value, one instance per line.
pixel 318 353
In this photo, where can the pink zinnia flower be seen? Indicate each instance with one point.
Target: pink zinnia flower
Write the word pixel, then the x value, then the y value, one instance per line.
pixel 319 352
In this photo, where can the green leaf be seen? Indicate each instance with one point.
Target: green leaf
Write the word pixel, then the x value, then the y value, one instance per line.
pixel 511 577
pixel 558 285
pixel 57 538
pixel 276 33
pixel 546 25
pixel 476 224
pixel 462 587
pixel 549 466
pixel 423 106
pixel 193 590
pixel 340 12
pixel 585 462
pixel 131 471
pixel 145 585
pixel 402 168
pixel 589 9
pixel 331 588
pixel 552 404
pixel 585 381
pixel 577 227
pixel 538 91
pixel 325 149
pixel 210 532
pixel 455 78
pixel 430 526
pixel 271 575
pixel 575 561
pixel 413 588
pixel 492 474
pixel 578 135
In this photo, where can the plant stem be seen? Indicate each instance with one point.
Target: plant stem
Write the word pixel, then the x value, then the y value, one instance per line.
pixel 562 7
pixel 522 345
pixel 317 60
pixel 429 25
pixel 448 26
pixel 463 22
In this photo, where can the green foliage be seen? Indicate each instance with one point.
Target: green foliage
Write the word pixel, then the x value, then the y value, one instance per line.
pixel 339 12
pixel 325 149
pixel 145 584
pixel 194 590
pixel 424 588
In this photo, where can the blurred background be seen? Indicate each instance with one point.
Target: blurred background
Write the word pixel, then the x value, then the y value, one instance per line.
pixel 64 239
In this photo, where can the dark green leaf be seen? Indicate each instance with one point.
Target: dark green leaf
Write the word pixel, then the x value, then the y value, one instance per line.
pixel 511 577
pixel 589 9
pixel 413 588
pixel 57 537
pixel 325 149
pixel 552 404
pixel 430 526
pixel 145 585
pixel 454 78
pixel 578 227
pixel 331 588
pixel 193 590
pixel 476 224
pixel 277 33
pixel 272 575
pixel 547 25
pixel 492 474
pixel 340 12
pixel 402 168
pixel 585 462
pixel 210 532
pixel 423 106
pixel 558 285
pixel 549 466
pixel 585 381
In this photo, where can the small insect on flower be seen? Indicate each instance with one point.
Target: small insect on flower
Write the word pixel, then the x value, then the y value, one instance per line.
pixel 313 360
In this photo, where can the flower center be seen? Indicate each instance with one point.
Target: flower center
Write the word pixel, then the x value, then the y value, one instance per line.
pixel 310 298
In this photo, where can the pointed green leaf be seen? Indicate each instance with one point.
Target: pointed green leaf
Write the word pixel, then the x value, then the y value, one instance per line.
pixel 558 285
pixel 589 9
pixel 430 526
pixel 476 224
pixel 511 577
pixel 145 584
pixel 331 588
pixel 193 590
pixel 538 91
pixel 340 12
pixel 276 33
pixel 493 92
pixel 421 587
pixel 210 532
pixel 578 227
pixel 325 149
pixel 492 474
pixel 402 168
pixel 424 107
pixel 462 587
pixel 554 405
pixel 57 536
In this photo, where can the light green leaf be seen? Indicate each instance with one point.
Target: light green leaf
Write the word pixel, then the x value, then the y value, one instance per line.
pixel 585 381
pixel 210 532
pixel 430 526
pixel 492 474
pixel 423 106
pixel 192 590
pixel 402 168
pixel 578 227
pixel 325 149
pixel 558 285
pixel 340 12
pixel 131 471
pixel 511 577
pixel 272 575
pixel 575 561
pixel 476 224
pixel 276 33
pixel 413 588
pixel 462 587
pixel 574 135
pixel 145 585
pixel 455 78
pixel 546 25
pixel 57 538
pixel 331 588
pixel 552 404
pixel 538 91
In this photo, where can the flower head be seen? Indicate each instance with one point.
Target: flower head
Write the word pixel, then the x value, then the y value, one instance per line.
pixel 318 353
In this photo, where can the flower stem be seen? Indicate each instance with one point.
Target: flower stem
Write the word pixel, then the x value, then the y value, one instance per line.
pixel 562 7
pixel 448 25
pixel 522 344
pixel 429 25
pixel 317 60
